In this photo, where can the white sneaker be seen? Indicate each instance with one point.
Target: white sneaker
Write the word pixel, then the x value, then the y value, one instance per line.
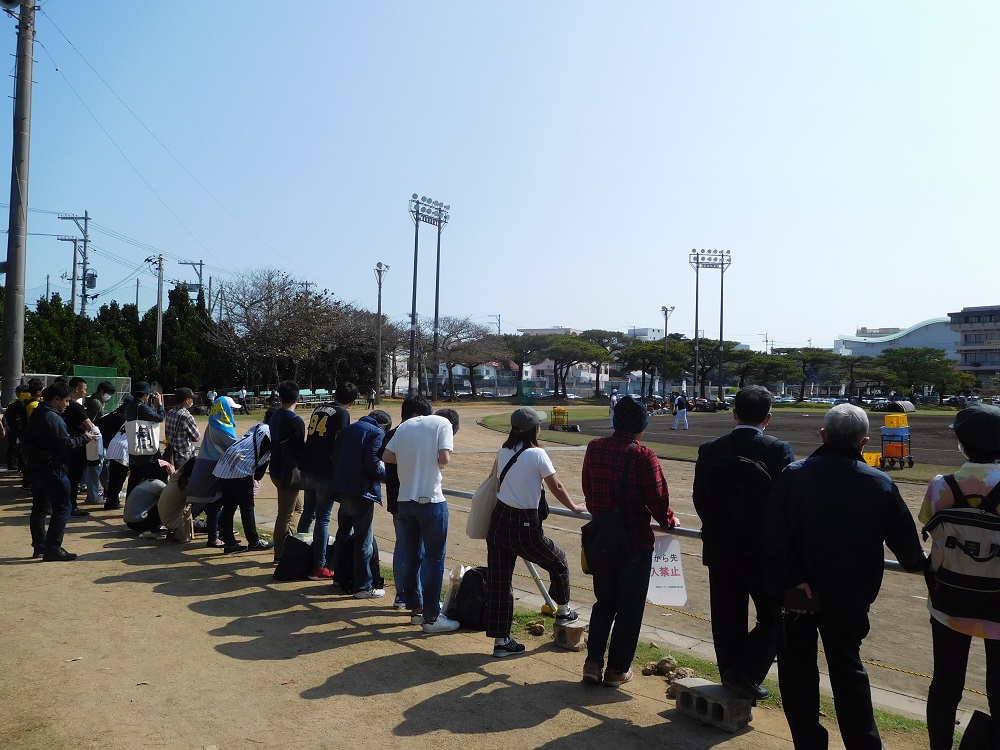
pixel 370 594
pixel 441 625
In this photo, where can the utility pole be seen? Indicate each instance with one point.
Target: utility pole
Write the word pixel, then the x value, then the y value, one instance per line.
pixel 137 295
pixel 74 240
pixel 498 326
pixel 85 229
pixel 159 309
pixel 17 230
pixel 199 269
pixel 46 287
pixel 380 271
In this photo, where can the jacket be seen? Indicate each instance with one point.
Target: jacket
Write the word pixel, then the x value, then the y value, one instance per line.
pixel 47 443
pixel 721 543
pixel 825 525
pixel 357 470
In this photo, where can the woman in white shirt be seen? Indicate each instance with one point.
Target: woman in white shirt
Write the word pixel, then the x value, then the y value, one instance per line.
pixel 516 529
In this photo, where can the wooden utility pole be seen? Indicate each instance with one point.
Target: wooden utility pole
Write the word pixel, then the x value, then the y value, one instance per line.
pixel 159 311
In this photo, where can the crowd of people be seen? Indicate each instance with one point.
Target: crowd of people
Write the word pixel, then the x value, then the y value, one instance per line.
pixel 800 540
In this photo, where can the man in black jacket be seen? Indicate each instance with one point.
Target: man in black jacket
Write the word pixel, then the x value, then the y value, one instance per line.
pixel 824 529
pixel 732 480
pixel 46 445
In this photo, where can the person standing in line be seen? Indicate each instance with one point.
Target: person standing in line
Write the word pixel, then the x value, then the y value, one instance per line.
pixel 180 429
pixel 516 530
pixel 78 423
pixel 95 402
pixel 203 488
pixel 47 443
pixel 680 410
pixel 357 477
pixel 94 475
pixel 317 469
pixel 733 478
pixel 288 433
pixel 978 431
pixel 115 469
pixel 145 406
pixel 239 472
pixel 619 475
pixel 808 552
pixel 420 448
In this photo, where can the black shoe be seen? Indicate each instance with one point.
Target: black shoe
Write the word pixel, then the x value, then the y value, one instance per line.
pixel 230 549
pixel 735 680
pixel 38 552
pixel 79 512
pixel 567 619
pixel 260 545
pixel 57 554
pixel 510 648
pixel 112 506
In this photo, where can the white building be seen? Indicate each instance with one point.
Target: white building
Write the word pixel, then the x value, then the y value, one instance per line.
pixel 871 342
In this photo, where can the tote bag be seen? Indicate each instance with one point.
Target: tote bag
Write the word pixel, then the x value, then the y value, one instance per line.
pixel 143 437
pixel 484 500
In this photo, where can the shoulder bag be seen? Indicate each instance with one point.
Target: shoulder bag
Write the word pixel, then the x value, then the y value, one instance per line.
pixel 605 538
pixel 484 500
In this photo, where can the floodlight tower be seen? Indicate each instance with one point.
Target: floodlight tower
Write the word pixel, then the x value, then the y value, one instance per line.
pixel 708 259
pixel 429 211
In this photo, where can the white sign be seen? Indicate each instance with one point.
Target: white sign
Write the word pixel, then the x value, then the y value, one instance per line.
pixel 666 575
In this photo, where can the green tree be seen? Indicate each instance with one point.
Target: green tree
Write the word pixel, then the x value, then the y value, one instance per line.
pixel 566 352
pixel 612 342
pixel 911 368
pixel 808 361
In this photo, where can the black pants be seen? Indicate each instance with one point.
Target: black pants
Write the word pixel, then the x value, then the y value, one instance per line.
pixel 75 469
pixel 141 468
pixel 798 675
pixel 732 587
pixel 237 493
pixel 951 657
pixel 49 496
pixel 621 600
pixel 117 474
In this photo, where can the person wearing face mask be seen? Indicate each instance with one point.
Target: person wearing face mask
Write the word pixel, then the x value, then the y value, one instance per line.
pixel 95 402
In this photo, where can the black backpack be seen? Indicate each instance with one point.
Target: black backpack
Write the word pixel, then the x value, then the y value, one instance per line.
pixel 17 416
pixel 965 556
pixel 343 566
pixel 469 605
pixel 740 488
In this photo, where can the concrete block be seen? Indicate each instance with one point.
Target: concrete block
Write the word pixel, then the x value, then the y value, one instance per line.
pixel 714 704
pixel 570 637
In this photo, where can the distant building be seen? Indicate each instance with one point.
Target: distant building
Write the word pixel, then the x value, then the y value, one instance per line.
pixel 645 334
pixel 979 345
pixel 937 333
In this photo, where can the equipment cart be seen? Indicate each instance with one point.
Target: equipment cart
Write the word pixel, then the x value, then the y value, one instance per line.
pixel 560 420
pixel 896 442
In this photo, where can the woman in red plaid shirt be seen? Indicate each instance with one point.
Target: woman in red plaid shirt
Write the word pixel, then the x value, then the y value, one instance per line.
pixel 642 492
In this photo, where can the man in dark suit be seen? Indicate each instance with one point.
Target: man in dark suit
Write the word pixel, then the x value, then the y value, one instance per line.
pixel 732 480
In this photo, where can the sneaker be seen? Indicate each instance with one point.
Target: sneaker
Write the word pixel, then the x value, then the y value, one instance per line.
pixel 441 625
pixel 614 678
pixel 567 619
pixel 416 618
pixel 399 602
pixel 260 545
pixel 57 554
pixel 231 549
pixel 321 574
pixel 591 673
pixel 369 594
pixel 510 648
pixel 79 512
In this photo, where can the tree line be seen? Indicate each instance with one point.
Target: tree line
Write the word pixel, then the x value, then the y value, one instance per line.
pixel 268 326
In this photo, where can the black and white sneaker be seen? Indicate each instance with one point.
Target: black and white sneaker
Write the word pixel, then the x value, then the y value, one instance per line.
pixel 567 619
pixel 510 648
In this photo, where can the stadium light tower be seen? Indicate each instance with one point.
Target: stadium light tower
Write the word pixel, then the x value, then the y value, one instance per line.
pixel 435 213
pixel 708 259
pixel 666 350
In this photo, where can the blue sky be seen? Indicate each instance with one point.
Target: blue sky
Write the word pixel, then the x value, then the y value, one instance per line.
pixel 845 153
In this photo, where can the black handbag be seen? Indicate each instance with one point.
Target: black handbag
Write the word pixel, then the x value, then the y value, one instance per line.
pixel 543 507
pixel 605 539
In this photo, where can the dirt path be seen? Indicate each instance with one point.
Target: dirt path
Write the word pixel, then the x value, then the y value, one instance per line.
pixel 139 644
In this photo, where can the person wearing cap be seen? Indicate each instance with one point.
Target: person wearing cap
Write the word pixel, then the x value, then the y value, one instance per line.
pixel 180 430
pixel 978 431
pixel 146 406
pixel 826 522
pixel 516 529
pixel 641 491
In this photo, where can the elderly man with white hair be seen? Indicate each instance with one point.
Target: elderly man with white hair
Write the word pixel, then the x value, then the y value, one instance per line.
pixel 827 519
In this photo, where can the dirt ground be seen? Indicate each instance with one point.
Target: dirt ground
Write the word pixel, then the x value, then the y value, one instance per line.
pixel 142 644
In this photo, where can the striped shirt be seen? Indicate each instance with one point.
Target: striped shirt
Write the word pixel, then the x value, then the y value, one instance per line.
pixel 248 454
pixel 118 448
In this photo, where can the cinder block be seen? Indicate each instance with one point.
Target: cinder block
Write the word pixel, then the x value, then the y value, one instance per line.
pixel 714 704
pixel 570 637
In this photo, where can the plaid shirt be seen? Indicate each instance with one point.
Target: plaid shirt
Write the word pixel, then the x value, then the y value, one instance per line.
pixel 181 432
pixel 645 489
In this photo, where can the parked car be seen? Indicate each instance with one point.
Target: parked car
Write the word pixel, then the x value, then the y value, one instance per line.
pixel 959 401
pixel 573 397
pixel 702 404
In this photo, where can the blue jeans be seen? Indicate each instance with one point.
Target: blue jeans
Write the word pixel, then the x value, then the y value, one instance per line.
pixel 317 492
pixel 92 476
pixel 399 566
pixel 356 514
pixel 426 523
pixel 621 600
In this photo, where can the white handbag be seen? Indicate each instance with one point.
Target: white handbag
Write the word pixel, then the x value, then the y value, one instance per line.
pixel 143 437
pixel 484 501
